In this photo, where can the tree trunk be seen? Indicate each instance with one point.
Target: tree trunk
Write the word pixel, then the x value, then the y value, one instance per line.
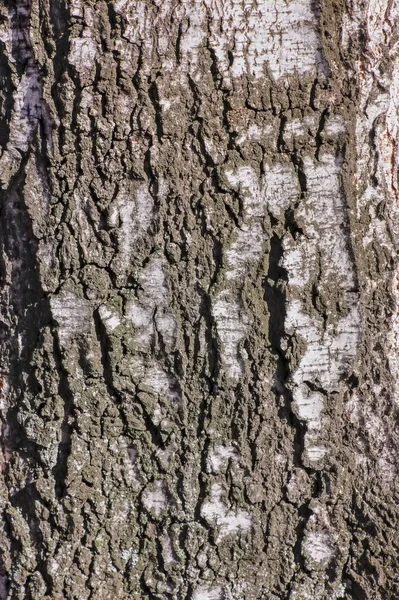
pixel 199 330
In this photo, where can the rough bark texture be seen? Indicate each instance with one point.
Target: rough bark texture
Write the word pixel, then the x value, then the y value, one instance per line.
pixel 199 328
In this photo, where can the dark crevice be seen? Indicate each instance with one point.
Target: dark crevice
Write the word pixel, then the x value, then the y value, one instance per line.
pixel 275 297
pixel 300 169
pixel 6 96
pixel 319 134
pixel 154 97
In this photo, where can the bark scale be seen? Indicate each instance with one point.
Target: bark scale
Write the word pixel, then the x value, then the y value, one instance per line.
pixel 198 321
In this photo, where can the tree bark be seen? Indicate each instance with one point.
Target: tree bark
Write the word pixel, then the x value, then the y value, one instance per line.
pixel 199 299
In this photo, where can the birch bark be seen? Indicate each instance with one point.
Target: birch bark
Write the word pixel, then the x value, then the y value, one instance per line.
pixel 199 299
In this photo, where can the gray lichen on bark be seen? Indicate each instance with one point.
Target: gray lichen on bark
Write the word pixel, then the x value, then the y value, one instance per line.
pixel 198 325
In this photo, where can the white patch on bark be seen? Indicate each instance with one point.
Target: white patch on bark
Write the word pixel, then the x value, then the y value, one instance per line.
pixel 278 188
pixel 76 8
pixel 195 34
pixel 231 321
pixel 160 381
pixel 315 453
pixel 155 498
pixel 381 113
pixel 324 212
pixel 141 19
pixel 83 52
pixel 215 512
pixel 110 320
pixel 327 353
pixel 27 109
pixel 208 593
pixel 334 125
pixel 131 215
pixel 168 554
pixel 131 471
pixel 232 324
pixel 254 132
pixel 149 313
pixel 219 457
pixel 324 246
pixel 294 129
pixel 319 547
pixel 72 314
pixel 278 36
pixel 378 115
pixel 245 181
pixel 381 23
pixel 320 254
pixel 245 249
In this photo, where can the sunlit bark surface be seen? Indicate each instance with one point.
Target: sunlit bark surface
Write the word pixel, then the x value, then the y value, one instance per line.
pixel 199 305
